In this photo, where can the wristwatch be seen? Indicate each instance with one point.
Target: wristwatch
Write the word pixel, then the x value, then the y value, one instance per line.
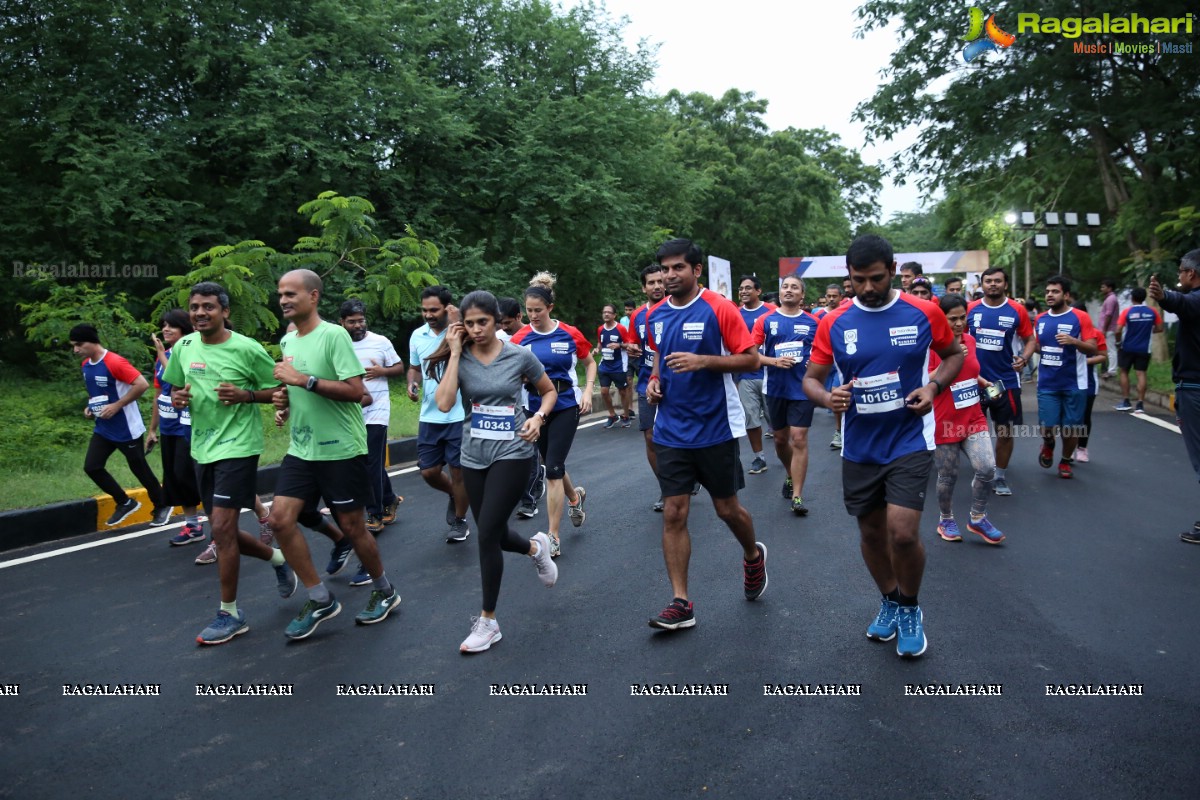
pixel 540 414
pixel 312 383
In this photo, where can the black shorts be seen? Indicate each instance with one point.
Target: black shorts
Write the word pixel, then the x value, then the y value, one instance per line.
pixel 343 483
pixel 784 413
pixel 228 483
pixel 609 378
pixel 646 413
pixel 1139 361
pixel 718 468
pixel 1008 412
pixel 558 433
pixel 438 443
pixel 867 487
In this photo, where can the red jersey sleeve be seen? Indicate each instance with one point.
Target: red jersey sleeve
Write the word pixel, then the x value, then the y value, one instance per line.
pixel 120 368
pixel 759 334
pixel 1086 328
pixel 822 349
pixel 599 333
pixel 1024 325
pixel 627 333
pixel 733 328
pixel 1157 317
pixel 1124 314
pixel 583 348
pixel 520 335
pixel 943 337
pixel 1099 338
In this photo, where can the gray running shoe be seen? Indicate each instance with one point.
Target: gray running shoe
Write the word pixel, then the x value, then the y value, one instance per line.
pixel 458 531
pixel 575 512
pixel 1000 487
pixel 758 466
pixel 122 511
pixel 223 628
pixel 160 516
pixel 526 511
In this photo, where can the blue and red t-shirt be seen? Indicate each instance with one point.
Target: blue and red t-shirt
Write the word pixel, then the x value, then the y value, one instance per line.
pixel 639 331
pixel 780 335
pixel 107 381
pixel 1139 321
pixel 997 331
pixel 884 353
pixel 751 317
pixel 172 421
pixel 701 408
pixel 613 361
pixel 1062 368
pixel 559 350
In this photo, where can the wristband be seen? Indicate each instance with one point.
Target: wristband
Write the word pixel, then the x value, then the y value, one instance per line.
pixel 251 393
pixel 934 381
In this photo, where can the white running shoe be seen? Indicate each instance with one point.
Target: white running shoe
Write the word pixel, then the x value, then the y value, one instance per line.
pixel 484 633
pixel 546 568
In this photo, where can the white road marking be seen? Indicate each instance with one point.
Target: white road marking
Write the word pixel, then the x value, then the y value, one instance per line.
pixel 1159 422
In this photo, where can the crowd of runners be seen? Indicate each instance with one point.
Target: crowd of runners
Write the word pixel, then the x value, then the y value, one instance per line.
pixel 909 378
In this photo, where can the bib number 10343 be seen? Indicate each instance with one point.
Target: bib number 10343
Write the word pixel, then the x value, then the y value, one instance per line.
pixel 493 422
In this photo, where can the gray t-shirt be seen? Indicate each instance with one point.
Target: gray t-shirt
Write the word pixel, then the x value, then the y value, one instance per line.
pixel 491 396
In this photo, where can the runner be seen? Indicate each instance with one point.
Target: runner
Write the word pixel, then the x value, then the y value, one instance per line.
pixel 960 426
pixel 1093 385
pixel 380 360
pixel 439 433
pixel 910 271
pixel 510 323
pixel 113 387
pixel 953 284
pixel 881 344
pixel 750 384
pixel 652 287
pixel 172 428
pixel 218 375
pixel 1065 340
pixel 492 373
pixel 559 347
pixel 1134 329
pixel 999 324
pixel 921 289
pixel 785 338
pixel 328 452
pixel 612 340
pixel 700 341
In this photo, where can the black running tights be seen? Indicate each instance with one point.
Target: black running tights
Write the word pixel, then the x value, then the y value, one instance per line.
pixel 494 493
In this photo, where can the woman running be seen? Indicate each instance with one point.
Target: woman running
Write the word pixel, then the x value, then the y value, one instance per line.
pixel 959 424
pixel 497 443
pixel 559 347
pixel 172 428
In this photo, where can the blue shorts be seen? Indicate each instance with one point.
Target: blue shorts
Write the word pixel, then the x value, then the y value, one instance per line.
pixel 784 413
pixel 1064 407
pixel 438 443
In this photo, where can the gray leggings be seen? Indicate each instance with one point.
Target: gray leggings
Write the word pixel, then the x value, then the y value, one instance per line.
pixel 978 447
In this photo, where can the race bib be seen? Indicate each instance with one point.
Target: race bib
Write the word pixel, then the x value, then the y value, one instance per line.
pixel 185 417
pixel 790 350
pixel 98 402
pixel 989 339
pixel 965 393
pixel 165 409
pixel 493 422
pixel 1052 356
pixel 608 355
pixel 877 394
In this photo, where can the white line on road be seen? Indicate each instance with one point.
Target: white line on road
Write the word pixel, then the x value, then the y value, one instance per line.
pixel 1159 422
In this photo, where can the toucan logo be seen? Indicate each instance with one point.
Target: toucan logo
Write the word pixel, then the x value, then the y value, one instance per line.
pixel 996 38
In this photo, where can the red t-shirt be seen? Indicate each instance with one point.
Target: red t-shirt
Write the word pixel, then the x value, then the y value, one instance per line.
pixel 956 410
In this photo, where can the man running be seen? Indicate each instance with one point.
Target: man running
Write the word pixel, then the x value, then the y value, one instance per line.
pixel 997 323
pixel 699 339
pixel 750 383
pixel 439 433
pixel 652 287
pixel 1065 339
pixel 380 360
pixel 881 345
pixel 113 387
pixel 785 337
pixel 612 340
pixel 219 375
pixel 1134 329
pixel 327 456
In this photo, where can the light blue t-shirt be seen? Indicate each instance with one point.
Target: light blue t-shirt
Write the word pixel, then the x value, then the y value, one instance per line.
pixel 421 345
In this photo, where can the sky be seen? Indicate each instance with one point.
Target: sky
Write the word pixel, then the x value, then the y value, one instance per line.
pixel 801 57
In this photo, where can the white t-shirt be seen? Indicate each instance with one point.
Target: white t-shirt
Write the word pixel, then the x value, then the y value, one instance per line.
pixel 378 350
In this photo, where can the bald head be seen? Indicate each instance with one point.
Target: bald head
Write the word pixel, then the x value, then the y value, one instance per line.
pixel 310 280
pixel 299 294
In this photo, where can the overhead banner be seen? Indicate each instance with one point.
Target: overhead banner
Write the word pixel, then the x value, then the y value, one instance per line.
pixel 931 263
pixel 720 279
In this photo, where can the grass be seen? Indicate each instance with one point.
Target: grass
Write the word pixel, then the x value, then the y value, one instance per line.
pixel 46 436
pixel 1158 377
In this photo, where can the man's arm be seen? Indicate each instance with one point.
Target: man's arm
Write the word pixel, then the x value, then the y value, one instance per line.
pixel 745 361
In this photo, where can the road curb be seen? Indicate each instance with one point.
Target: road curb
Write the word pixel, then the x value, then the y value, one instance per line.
pixel 24 527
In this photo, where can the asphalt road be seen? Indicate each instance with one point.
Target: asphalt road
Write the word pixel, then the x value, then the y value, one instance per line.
pixel 1091 587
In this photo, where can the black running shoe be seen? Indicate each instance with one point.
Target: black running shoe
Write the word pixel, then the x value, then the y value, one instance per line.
pixel 679 614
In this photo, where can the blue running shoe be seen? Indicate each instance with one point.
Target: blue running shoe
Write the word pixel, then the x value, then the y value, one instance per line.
pixel 883 629
pixel 187 534
pixel 361 578
pixel 338 556
pixel 987 530
pixel 285 580
pixel 312 615
pixel 911 641
pixel 378 607
pixel 948 530
pixel 610 423
pixel 223 628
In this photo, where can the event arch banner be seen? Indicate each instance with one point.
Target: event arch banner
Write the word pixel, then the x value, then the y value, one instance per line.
pixel 965 261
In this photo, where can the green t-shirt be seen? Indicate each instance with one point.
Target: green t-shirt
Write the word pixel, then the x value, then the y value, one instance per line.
pixel 324 429
pixel 220 431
